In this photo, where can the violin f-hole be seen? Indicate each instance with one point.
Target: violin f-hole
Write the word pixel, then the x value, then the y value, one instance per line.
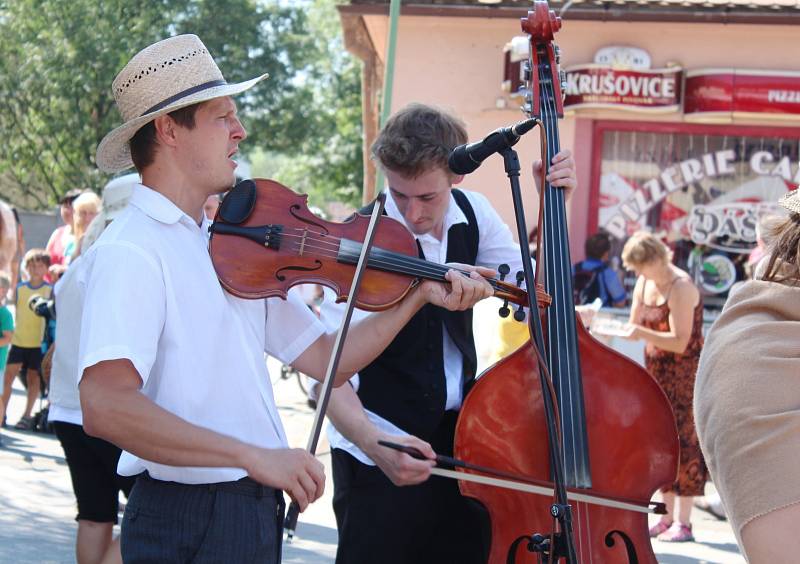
pixel 282 277
pixel 293 210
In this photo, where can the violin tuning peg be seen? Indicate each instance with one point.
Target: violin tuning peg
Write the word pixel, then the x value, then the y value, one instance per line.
pixel 503 270
pixel 504 311
pixel 519 315
pixel 520 277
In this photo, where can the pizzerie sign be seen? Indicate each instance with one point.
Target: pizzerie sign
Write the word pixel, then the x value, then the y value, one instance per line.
pixel 679 175
pixel 601 86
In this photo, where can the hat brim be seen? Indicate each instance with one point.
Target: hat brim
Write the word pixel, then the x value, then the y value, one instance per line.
pixel 113 152
pixel 791 201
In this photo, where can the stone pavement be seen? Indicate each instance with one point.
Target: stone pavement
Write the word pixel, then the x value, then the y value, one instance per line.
pixel 37 506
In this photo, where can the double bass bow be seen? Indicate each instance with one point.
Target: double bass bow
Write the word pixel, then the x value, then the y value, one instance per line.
pixel 615 434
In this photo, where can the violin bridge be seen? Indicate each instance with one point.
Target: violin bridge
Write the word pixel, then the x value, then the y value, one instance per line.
pixel 303 241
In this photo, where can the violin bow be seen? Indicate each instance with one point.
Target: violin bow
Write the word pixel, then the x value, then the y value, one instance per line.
pixel 503 479
pixel 290 523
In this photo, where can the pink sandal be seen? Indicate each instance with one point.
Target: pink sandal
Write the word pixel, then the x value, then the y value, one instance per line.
pixel 678 532
pixel 659 528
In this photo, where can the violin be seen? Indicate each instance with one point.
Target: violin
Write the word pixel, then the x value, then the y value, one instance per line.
pixel 616 430
pixel 264 240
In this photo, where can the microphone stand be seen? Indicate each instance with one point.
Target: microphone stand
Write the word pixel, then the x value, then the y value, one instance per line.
pixel 560 510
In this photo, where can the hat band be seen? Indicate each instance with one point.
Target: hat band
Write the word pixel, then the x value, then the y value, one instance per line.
pixel 184 94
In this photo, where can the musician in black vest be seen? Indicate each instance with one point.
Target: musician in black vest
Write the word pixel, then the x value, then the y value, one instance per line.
pixel 412 392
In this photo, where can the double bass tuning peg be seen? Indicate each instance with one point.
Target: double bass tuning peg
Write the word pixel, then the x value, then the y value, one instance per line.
pixel 503 271
pixel 519 315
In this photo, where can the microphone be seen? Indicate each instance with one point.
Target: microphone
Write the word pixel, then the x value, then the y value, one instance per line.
pixel 468 157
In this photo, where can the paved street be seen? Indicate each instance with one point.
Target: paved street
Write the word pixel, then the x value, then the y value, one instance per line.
pixel 37 506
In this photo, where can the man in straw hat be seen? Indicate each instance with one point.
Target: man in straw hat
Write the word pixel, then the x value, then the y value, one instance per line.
pixel 172 367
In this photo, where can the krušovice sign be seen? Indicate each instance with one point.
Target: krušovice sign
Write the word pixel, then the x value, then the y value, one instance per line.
pixel 601 86
pixel 731 93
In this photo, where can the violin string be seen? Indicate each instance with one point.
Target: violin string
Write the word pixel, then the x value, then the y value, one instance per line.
pixel 388 260
pixel 433 273
pixel 396 258
pixel 430 271
pixel 402 260
pixel 333 252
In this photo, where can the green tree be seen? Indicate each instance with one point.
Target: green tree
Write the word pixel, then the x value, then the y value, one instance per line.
pixel 59 58
pixel 327 163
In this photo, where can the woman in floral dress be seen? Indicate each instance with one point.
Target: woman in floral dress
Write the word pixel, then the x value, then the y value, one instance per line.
pixel 667 313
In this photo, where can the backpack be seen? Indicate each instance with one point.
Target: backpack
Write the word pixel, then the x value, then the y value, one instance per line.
pixel 587 283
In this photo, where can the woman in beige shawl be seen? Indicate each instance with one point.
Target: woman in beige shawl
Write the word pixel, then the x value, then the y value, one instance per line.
pixel 747 401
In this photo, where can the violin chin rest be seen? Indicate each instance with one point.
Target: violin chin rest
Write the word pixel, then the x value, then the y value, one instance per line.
pixel 238 204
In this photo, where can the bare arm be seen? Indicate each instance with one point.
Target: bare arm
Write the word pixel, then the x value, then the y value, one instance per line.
pixel 347 414
pixel 114 409
pixel 636 300
pixel 6 338
pixel 682 301
pixel 370 336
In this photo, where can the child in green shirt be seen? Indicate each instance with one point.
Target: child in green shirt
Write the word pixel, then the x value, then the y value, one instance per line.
pixel 6 323
pixel 6 320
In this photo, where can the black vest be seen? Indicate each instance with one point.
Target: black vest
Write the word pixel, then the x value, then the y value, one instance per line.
pixel 406 383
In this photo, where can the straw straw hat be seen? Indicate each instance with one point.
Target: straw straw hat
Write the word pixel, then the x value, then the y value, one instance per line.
pixel 163 77
pixel 791 201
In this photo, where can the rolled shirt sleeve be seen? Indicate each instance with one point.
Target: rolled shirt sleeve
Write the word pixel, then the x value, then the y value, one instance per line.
pixel 291 327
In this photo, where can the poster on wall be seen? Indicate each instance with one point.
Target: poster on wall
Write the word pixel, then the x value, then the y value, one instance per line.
pixel 704 194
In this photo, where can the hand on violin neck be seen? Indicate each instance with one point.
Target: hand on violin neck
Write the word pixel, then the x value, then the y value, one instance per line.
pixel 466 286
pixel 401 468
pixel 561 173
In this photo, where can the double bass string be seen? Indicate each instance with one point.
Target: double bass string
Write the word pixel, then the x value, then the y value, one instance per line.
pixel 568 331
pixel 563 328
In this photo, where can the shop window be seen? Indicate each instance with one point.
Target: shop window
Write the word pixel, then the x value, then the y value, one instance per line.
pixel 704 189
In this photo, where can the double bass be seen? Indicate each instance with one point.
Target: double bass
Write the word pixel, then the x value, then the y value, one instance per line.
pixel 616 430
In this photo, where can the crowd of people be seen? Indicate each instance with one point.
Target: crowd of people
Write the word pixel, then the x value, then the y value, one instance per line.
pixel 184 422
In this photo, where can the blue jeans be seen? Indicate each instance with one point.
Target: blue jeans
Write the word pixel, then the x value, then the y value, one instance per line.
pixel 238 521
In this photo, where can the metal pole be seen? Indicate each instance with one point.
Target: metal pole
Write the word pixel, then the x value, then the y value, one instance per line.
pixel 388 81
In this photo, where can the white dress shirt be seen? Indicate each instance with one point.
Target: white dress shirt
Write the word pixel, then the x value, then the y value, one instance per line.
pixel 65 404
pixel 496 246
pixel 152 297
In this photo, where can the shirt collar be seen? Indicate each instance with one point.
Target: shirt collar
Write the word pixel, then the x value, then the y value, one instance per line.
pixel 453 216
pixel 156 205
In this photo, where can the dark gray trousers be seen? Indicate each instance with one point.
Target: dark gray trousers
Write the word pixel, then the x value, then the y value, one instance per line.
pixel 227 522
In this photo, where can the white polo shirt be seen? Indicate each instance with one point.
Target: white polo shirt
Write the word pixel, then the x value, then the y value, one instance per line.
pixel 152 297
